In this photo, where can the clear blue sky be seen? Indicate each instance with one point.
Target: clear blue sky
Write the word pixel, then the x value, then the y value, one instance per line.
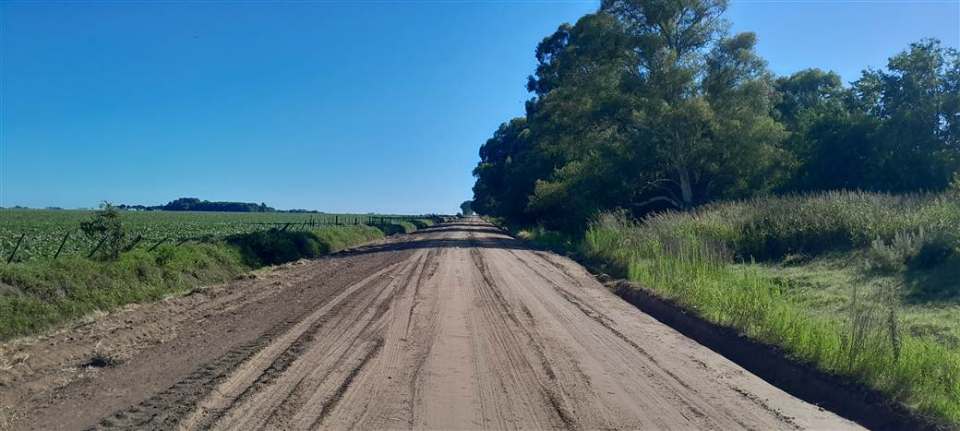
pixel 337 106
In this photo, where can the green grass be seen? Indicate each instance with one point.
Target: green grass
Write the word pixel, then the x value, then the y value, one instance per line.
pixel 844 281
pixel 823 285
pixel 41 293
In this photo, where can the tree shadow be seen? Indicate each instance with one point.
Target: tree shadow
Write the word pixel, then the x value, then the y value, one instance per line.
pixel 936 285
pixel 416 241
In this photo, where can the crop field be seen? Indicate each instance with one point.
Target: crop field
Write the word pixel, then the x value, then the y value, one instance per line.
pixel 43 231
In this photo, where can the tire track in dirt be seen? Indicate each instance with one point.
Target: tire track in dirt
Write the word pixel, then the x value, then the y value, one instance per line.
pixel 551 391
pixel 166 409
pixel 592 313
pixel 342 389
pixel 354 302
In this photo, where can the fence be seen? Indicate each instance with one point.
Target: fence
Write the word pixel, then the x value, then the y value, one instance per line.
pixel 139 239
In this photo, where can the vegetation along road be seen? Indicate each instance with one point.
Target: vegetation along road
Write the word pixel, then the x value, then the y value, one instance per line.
pixel 456 326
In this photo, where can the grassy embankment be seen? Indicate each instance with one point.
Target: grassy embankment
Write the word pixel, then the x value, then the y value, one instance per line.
pixel 864 286
pixel 40 293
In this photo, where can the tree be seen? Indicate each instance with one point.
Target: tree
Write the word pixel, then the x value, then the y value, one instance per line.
pixel 917 102
pixel 643 105
pixel 106 228
pixel 466 208
pixel 706 132
pixel 650 105
pixel 504 177
pixel 893 130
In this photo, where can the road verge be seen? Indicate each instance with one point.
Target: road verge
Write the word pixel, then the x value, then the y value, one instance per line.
pixel 850 400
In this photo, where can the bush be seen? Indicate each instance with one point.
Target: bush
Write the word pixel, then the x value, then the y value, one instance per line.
pixel 915 251
pixel 892 257
pixel 105 227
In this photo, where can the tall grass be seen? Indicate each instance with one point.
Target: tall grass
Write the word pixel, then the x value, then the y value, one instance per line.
pixel 771 228
pixel 687 257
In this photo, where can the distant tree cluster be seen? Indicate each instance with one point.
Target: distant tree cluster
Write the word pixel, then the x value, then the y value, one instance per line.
pixel 466 208
pixel 194 204
pixel 651 105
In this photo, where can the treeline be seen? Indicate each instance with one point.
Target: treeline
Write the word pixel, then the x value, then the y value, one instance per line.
pixel 194 204
pixel 652 105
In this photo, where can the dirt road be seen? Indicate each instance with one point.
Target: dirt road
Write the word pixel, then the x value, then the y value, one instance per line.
pixel 455 327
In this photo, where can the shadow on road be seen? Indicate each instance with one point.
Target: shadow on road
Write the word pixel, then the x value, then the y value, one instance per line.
pixel 492 237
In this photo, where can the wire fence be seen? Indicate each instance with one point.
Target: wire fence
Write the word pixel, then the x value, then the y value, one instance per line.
pixel 45 243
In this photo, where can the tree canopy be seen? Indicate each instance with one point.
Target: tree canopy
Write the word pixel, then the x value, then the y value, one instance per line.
pixel 194 204
pixel 649 105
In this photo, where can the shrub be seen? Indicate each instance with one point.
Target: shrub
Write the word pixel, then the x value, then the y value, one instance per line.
pixel 105 227
pixel 916 251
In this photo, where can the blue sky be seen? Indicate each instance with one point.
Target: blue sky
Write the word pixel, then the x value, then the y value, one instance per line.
pixel 337 106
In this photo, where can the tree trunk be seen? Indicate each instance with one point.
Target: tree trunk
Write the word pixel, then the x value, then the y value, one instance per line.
pixel 686 188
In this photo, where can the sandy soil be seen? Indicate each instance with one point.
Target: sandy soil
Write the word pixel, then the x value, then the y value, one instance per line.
pixel 455 327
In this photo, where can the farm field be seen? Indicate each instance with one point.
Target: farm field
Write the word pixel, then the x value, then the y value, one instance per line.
pixel 53 272
pixel 43 231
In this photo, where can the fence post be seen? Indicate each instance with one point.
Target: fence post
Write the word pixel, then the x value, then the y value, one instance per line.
pixel 102 240
pixel 134 243
pixel 158 244
pixel 16 247
pixel 59 249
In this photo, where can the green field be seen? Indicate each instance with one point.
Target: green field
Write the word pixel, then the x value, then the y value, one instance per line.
pixel 160 253
pixel 44 230
pixel 177 252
